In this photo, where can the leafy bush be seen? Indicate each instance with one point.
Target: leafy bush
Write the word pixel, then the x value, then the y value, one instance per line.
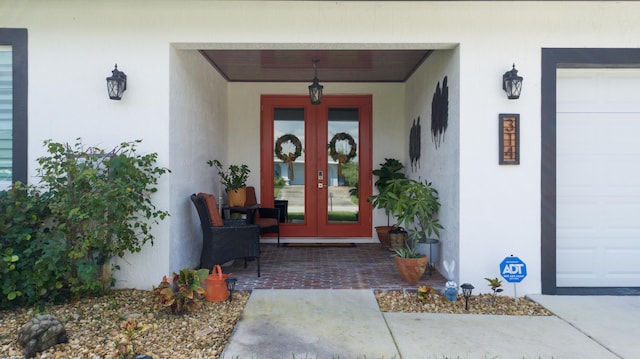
pixel 56 239
pixel 278 183
pixel 183 293
pixel 29 257
pixel 350 173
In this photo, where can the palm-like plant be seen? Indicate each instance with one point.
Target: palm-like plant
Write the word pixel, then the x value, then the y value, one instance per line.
pixel 415 204
pixel 389 170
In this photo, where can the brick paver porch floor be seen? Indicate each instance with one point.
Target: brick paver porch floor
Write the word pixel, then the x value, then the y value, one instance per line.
pixel 367 265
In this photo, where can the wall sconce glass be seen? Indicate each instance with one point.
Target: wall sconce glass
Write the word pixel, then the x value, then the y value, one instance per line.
pixel 512 83
pixel 116 84
pixel 466 292
pixel 315 89
pixel 231 285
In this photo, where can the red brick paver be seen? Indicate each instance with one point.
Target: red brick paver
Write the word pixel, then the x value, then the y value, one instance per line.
pixel 361 267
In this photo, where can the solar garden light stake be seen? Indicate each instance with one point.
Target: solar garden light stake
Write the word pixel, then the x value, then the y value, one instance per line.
pixel 466 292
pixel 231 285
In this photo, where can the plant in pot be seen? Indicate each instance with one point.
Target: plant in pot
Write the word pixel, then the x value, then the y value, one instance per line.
pixel 416 205
pixel 390 169
pixel 235 181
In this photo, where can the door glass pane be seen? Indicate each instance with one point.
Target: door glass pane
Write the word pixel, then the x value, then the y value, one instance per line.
pixel 288 161
pixel 342 180
pixel 6 115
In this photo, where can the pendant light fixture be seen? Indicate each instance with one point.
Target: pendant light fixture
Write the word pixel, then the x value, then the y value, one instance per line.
pixel 315 89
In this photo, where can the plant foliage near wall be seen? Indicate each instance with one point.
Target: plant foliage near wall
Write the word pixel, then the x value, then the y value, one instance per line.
pixel 440 112
pixel 57 238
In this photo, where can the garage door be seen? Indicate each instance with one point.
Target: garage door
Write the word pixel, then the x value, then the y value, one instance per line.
pixel 598 178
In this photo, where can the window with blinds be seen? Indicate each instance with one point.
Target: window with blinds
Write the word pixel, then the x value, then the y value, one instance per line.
pixel 6 114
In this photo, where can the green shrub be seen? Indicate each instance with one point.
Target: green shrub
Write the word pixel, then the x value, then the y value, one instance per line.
pixel 182 292
pixel 56 239
pixel 19 221
pixel 278 183
pixel 350 173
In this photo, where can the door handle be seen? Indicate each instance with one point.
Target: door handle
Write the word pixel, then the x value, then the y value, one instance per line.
pixel 320 185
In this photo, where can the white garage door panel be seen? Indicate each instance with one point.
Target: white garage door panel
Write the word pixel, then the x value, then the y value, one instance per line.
pixel 598 178
pixel 598 90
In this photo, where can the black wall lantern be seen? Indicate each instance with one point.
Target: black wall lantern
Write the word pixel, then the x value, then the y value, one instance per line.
pixel 116 84
pixel 512 83
pixel 315 89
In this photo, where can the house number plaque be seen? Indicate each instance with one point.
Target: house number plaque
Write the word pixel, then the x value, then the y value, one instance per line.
pixel 509 142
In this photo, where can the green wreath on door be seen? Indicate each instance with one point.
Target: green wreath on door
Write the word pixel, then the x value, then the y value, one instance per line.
pixel 289 157
pixel 342 157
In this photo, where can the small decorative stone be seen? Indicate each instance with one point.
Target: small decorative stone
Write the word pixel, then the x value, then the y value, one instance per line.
pixel 41 333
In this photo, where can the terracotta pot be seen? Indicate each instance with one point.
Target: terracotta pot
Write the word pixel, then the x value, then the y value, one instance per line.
pixel 383 234
pixel 215 287
pixel 237 198
pixel 411 269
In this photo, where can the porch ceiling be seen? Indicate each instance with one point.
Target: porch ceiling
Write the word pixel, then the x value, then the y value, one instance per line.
pixel 334 65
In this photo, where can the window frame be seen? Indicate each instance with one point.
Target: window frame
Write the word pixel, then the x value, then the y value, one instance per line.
pixel 17 39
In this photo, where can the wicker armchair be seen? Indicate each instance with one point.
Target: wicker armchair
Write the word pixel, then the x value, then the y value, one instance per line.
pixel 221 243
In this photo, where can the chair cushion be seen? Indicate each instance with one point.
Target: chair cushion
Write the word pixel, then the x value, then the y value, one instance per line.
pixel 266 222
pixel 212 207
pixel 251 196
pixel 252 199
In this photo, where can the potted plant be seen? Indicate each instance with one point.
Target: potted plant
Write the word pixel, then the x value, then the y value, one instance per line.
pixel 416 205
pixel 388 170
pixel 235 181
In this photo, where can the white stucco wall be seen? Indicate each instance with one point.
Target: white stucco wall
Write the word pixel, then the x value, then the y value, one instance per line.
pixel 440 165
pixel 198 133
pixel 73 46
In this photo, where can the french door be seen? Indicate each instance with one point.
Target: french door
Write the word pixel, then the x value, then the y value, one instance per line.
pixel 315 161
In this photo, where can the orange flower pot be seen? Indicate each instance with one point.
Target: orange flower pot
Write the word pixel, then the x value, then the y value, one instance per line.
pixel 237 198
pixel 411 269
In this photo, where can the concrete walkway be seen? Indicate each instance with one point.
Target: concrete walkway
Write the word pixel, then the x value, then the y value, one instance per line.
pixel 326 324
pixel 611 321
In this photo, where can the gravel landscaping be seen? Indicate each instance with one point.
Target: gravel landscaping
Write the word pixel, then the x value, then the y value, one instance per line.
pixel 94 324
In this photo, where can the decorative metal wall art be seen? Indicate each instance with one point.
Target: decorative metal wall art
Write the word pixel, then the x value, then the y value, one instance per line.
pixel 440 112
pixel 509 142
pixel 414 144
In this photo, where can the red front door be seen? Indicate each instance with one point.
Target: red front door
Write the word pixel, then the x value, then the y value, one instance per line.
pixel 317 160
